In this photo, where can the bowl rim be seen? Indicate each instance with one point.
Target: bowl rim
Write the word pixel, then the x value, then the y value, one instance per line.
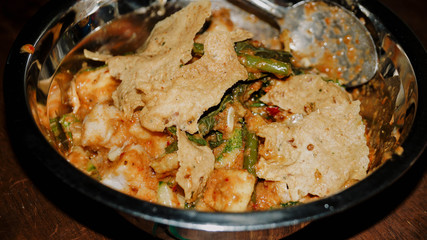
pixel 23 132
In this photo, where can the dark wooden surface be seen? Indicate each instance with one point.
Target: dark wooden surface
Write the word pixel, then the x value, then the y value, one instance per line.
pixel 35 205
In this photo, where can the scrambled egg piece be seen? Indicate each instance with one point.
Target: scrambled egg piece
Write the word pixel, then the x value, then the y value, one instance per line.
pixel 131 173
pixel 101 127
pixel 92 87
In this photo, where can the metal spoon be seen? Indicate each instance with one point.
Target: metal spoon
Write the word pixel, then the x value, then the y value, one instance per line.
pixel 328 37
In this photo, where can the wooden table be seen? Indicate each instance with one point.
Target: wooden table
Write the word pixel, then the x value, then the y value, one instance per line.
pixel 34 205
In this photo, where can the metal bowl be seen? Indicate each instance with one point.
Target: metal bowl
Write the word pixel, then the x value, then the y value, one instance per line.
pixel 394 110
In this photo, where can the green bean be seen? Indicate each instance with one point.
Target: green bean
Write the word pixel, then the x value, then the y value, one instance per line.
pixel 250 155
pixel 265 65
pixel 263 59
pixel 248 48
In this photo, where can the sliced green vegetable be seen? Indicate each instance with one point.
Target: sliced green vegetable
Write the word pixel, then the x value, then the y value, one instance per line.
pixel 239 90
pixel 218 140
pixel 55 126
pixel 189 205
pixel 173 147
pixel 198 49
pixel 265 64
pixel 94 68
pixel 172 130
pixel 250 155
pixel 198 140
pixel 289 204
pixel 90 167
pixel 252 96
pixel 336 81
pixel 207 122
pixel 248 48
pixel 59 134
pixel 66 121
pixel 235 142
pixel 258 104
pixel 92 170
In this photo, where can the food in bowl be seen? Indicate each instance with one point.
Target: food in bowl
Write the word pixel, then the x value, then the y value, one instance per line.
pixel 207 118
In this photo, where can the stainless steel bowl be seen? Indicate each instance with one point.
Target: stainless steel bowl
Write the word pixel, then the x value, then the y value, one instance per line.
pixel 393 104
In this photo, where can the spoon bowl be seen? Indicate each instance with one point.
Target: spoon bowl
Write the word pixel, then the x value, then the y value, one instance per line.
pixel 328 37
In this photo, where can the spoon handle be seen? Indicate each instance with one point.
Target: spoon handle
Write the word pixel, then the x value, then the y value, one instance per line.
pixel 270 7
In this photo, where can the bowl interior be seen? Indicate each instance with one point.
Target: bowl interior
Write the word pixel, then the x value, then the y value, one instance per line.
pixel 390 103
